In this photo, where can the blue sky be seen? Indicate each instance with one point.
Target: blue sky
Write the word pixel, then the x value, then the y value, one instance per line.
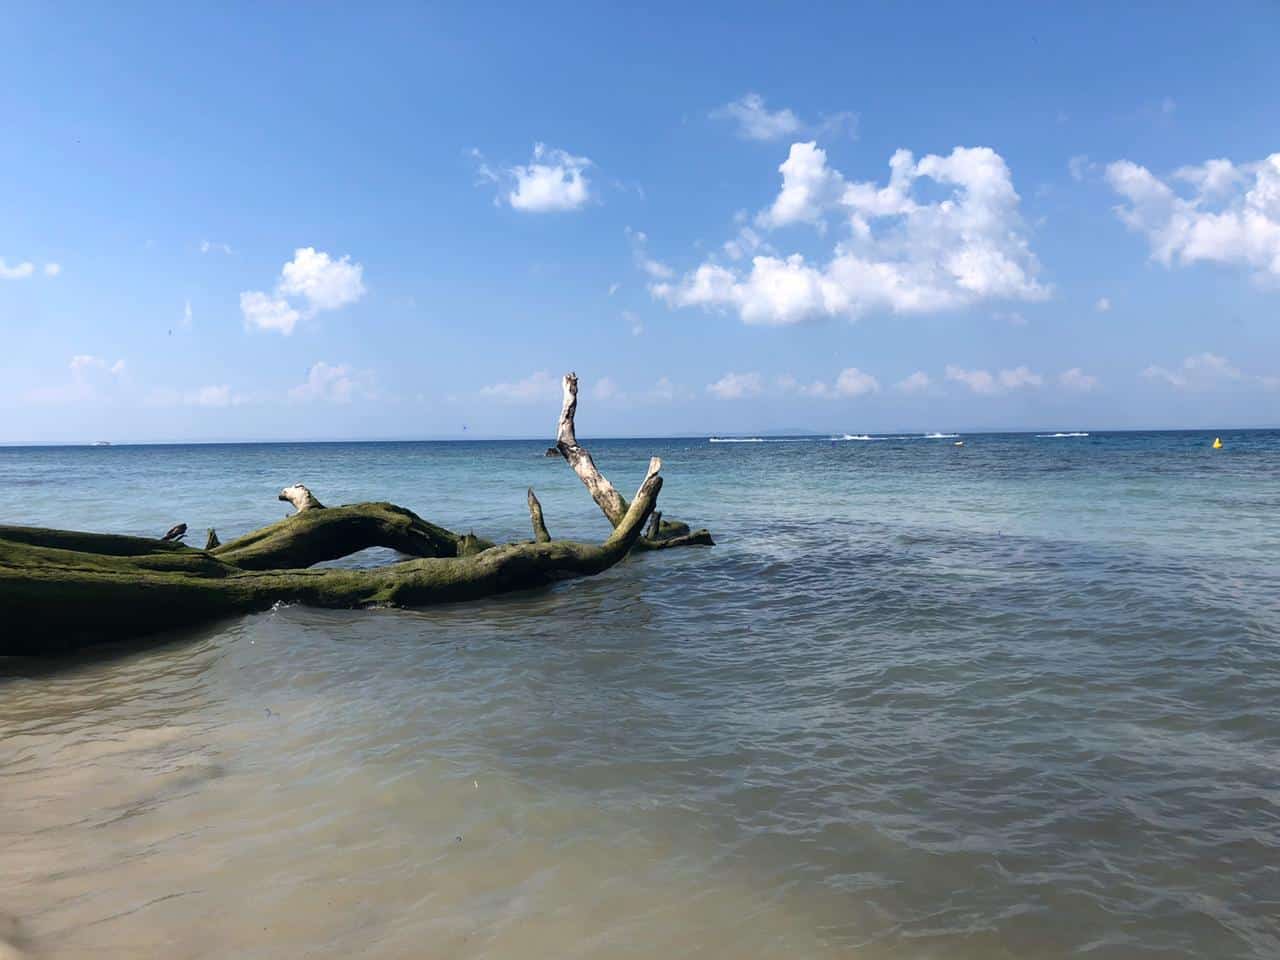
pixel 270 221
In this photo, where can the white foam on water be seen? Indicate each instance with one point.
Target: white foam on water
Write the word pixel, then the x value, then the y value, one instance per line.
pixel 1051 436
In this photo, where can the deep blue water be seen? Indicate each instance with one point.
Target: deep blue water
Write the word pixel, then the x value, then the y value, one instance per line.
pixel 1011 699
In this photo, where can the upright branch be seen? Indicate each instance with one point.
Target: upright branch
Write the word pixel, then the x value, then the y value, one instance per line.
pixel 662 534
pixel 601 490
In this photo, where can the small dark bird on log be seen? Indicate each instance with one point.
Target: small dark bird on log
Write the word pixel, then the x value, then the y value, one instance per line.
pixel 176 533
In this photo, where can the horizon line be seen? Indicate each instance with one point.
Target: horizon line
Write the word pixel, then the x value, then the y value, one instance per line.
pixel 735 435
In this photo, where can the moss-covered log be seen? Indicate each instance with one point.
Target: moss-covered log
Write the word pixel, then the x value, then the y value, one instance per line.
pixel 61 589
pixel 663 534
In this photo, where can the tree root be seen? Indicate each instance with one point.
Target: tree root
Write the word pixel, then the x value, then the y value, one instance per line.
pixel 60 589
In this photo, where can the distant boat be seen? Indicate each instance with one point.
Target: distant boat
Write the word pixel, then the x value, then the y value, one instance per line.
pixel 101 443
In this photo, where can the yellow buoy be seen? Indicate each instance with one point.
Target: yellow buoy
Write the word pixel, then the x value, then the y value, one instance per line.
pixel 1217 443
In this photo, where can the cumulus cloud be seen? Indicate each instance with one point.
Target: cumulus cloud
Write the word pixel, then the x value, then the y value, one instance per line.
pixel 329 383
pixel 209 246
pixel 310 283
pixel 1081 167
pixel 1216 212
pixel 984 382
pixel 535 388
pixel 901 253
pixel 19 271
pixel 736 386
pixel 52 269
pixel 1197 372
pixel 915 383
pixel 82 364
pixel 755 121
pixel 214 396
pixel 1077 379
pixel 552 181
pixel 266 312
pixel 850 382
pixel 664 391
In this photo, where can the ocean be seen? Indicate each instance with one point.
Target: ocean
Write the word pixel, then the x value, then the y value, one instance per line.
pixel 1011 699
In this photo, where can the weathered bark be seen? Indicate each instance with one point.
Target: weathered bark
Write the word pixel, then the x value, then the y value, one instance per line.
pixel 60 589
pixel 601 490
pixel 300 497
pixel 662 534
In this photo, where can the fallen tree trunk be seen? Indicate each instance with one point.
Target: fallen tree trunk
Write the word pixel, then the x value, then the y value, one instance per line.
pixel 662 534
pixel 61 589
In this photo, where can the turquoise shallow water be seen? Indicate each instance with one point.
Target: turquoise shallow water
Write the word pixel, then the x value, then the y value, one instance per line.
pixel 1015 699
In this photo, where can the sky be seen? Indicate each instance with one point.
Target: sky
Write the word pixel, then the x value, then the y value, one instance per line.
pixel 278 221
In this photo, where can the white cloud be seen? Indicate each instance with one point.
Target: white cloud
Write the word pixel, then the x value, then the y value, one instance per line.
pixel 1077 379
pixel 664 390
pixel 18 271
pixel 325 283
pixel 915 383
pixel 1103 305
pixel 208 246
pixel 186 313
pixel 735 386
pixel 212 396
pixel 755 121
pixel 1081 167
pixel 850 382
pixel 901 254
pixel 605 389
pixel 809 188
pixel 52 269
pixel 640 254
pixel 534 388
pixel 83 363
pixel 331 383
pixel 614 288
pixel 1197 372
pixel 982 381
pixel 215 396
pixel 312 277
pixel 633 322
pixel 268 313
pixel 553 180
pixel 1231 215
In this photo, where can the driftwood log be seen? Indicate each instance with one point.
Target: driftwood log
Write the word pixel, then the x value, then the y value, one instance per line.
pixel 61 589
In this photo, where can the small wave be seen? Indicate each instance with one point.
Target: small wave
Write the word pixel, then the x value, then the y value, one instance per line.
pixel 1051 436
pixel 940 436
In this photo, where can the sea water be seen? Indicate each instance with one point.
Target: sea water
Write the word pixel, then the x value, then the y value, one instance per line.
pixel 1017 698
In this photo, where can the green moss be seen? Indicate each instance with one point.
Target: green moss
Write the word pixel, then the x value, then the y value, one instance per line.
pixel 61 589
